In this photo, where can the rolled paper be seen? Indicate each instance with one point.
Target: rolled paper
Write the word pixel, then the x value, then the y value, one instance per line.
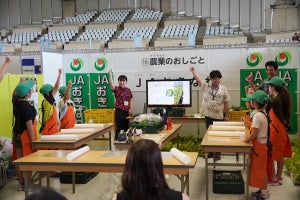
pixel 77 130
pixel 89 125
pixel 219 139
pixel 77 153
pixel 59 137
pixel 217 123
pixel 227 128
pixel 226 133
pixel 185 159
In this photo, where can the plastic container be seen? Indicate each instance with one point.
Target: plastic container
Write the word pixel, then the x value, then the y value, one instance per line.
pixel 99 115
pixel 165 118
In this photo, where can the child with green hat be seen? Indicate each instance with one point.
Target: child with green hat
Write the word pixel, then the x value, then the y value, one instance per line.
pixel 24 129
pixel 279 110
pixel 66 107
pixel 259 138
pixel 49 114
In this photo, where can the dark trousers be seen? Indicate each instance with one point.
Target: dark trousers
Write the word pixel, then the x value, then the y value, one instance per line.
pixel 121 121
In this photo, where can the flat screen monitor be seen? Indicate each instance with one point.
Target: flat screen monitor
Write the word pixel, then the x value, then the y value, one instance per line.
pixel 169 93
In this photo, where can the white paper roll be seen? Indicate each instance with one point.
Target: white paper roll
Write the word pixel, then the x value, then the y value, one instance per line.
pixel 59 137
pixel 217 123
pixel 89 125
pixel 77 130
pixel 77 153
pixel 185 159
pixel 226 133
pixel 227 128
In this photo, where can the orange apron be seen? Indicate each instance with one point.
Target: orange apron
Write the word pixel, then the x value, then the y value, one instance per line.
pixel 279 138
pixel 258 163
pixel 51 126
pixel 281 146
pixel 68 121
pixel 26 142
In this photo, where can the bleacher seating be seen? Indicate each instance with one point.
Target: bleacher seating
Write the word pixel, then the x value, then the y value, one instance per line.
pixel 143 32
pixel 80 18
pixel 24 35
pixel 121 28
pixel 146 14
pixel 179 31
pixel 118 15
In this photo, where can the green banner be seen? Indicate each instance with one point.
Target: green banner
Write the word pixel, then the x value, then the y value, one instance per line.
pixel 290 77
pixel 90 91
pixel 102 95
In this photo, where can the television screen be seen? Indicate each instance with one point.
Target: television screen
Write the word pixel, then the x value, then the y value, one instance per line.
pixel 169 93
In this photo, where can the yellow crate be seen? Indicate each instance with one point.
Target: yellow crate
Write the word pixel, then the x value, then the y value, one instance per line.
pixel 236 116
pixel 99 115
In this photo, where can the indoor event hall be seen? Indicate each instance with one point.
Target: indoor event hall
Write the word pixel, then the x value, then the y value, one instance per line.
pixel 149 99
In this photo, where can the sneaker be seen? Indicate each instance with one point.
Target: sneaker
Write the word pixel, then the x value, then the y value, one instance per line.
pixel 280 181
pixel 20 187
pixel 33 187
pixel 255 194
pixel 273 183
pixel 263 195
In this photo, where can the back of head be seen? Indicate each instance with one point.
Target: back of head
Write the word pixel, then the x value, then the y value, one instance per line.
pixel 143 176
pixel 273 64
pixel 23 88
pixel 62 91
pixel 46 88
pixel 45 194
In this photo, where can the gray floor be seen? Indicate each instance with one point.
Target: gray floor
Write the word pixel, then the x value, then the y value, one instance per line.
pixel 104 184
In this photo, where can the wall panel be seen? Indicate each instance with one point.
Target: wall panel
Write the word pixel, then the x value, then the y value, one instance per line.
pixel 197 7
pixel 47 10
pixel 36 12
pixel 4 14
pixel 224 11
pixel 14 13
pixel 57 8
pixel 118 4
pixel 25 13
pixel 156 5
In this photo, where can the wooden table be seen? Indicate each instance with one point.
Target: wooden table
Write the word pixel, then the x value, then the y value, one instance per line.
pixel 180 119
pixel 226 145
pixel 160 138
pixel 74 144
pixel 97 161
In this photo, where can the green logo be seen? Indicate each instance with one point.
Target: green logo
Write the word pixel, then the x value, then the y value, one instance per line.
pixel 283 58
pixel 254 59
pixel 76 64
pixel 100 64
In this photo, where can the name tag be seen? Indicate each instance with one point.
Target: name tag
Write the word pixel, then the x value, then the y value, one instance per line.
pixel 126 103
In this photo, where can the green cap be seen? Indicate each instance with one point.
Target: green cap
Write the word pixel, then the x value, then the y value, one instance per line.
pixel 46 88
pixel 62 91
pixel 277 81
pixel 259 96
pixel 248 97
pixel 24 87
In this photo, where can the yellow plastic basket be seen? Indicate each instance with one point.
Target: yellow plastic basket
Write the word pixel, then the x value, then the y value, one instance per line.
pixel 236 116
pixel 99 115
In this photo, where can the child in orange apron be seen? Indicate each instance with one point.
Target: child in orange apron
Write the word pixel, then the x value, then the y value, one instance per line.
pixel 279 110
pixel 24 130
pixel 258 137
pixel 66 107
pixel 49 114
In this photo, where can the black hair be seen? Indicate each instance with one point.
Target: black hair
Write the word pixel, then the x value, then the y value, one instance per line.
pixel 272 63
pixel 215 74
pixel 122 78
